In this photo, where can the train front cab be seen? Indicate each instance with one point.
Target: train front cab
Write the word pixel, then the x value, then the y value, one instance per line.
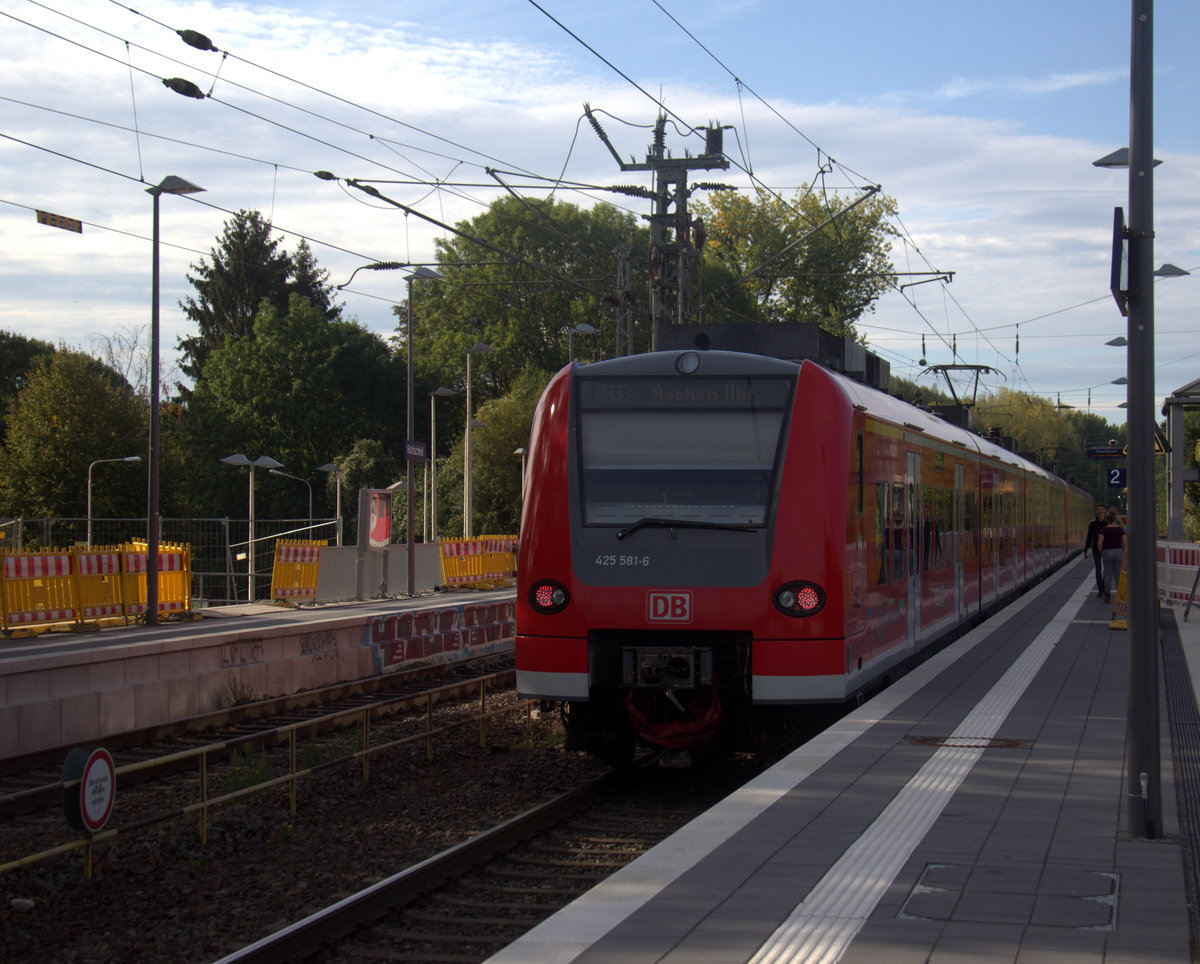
pixel 908 526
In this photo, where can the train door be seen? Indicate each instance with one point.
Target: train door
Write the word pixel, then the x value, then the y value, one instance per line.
pixel 989 560
pixel 913 511
pixel 959 543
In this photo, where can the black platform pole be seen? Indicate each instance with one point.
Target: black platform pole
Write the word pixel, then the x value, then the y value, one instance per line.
pixel 1143 785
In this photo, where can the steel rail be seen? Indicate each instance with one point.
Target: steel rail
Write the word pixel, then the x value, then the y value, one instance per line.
pixel 308 936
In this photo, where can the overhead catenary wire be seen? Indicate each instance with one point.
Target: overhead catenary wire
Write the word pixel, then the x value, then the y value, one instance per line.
pixel 434 182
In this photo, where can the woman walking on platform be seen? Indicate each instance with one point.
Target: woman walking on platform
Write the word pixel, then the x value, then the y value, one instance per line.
pixel 1112 552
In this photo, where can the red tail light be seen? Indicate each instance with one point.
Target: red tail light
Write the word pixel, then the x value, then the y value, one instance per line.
pixel 548 596
pixel 799 599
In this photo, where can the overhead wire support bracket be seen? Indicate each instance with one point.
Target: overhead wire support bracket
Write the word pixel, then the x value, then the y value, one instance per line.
pixel 946 276
pixel 977 369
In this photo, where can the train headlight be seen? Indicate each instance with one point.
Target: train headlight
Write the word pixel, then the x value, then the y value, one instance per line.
pixel 799 598
pixel 548 596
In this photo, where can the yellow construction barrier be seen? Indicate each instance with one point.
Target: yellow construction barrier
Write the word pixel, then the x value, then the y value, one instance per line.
pixel 499 559
pixel 98 584
pixel 481 563
pixel 294 575
pixel 174 578
pixel 37 589
pixel 82 587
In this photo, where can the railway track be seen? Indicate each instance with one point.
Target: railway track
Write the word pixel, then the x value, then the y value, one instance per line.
pixel 471 900
pixel 191 891
pixel 197 773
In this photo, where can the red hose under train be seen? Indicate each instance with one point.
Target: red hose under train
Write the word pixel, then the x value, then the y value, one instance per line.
pixel 679 734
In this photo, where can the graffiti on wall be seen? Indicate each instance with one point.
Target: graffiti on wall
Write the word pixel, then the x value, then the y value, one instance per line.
pixel 242 652
pixel 454 632
pixel 321 646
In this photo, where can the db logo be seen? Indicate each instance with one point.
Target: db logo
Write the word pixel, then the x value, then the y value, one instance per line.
pixel 669 607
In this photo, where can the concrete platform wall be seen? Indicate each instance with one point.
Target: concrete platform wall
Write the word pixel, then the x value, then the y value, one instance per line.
pixel 79 693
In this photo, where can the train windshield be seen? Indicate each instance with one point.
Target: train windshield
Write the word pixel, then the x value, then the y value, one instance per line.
pixel 690 450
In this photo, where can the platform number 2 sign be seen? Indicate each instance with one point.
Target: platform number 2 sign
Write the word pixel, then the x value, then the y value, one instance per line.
pixel 1116 478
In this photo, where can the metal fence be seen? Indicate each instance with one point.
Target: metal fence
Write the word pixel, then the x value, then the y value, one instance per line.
pixel 221 570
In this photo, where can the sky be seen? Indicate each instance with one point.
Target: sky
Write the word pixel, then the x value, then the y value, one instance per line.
pixel 980 119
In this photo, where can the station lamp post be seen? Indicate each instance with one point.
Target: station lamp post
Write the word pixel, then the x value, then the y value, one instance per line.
pixel 440 392
pixel 420 273
pixel 521 492
pixel 128 458
pixel 581 329
pixel 262 462
pixel 306 483
pixel 337 482
pixel 468 509
pixel 169 185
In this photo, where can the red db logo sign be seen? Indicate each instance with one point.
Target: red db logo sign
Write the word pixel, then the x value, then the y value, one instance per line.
pixel 669 607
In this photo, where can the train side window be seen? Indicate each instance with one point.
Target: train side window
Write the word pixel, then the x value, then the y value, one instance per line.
pixel 860 473
pixel 929 529
pixel 897 540
pixel 972 524
pixel 882 530
pixel 945 525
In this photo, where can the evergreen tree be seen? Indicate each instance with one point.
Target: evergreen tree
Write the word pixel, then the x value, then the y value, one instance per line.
pixel 299 388
pixel 247 267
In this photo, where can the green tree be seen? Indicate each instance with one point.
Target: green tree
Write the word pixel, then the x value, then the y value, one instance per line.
pixel 496 489
pixel 831 276
pixel 922 396
pixel 558 270
pixel 17 356
pixel 299 388
pixel 247 267
pixel 1038 428
pixel 72 411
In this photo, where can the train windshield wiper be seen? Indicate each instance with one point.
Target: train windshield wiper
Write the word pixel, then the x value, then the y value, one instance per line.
pixel 649 522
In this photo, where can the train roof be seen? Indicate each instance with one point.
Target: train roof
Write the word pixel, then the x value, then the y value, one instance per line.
pixel 892 409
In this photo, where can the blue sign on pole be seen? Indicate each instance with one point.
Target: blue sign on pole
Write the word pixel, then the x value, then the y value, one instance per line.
pixel 1116 478
pixel 415 451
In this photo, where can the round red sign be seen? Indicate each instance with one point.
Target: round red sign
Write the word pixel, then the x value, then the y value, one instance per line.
pixel 88 804
pixel 97 790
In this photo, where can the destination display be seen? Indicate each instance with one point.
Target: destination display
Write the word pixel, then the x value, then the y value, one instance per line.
pixel 707 393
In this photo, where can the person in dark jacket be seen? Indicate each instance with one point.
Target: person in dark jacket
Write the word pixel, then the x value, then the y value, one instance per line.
pixel 1093 542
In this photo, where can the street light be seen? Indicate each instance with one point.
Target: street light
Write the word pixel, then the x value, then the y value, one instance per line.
pixel 262 462
pixel 441 392
pixel 1168 270
pixel 421 273
pixel 580 329
pixel 337 477
pixel 1143 789
pixel 169 185
pixel 305 481
pixel 521 494
pixel 128 458
pixel 468 509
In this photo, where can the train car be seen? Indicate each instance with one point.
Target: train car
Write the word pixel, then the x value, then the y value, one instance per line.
pixel 714 543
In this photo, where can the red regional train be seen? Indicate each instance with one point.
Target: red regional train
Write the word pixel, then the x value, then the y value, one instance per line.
pixel 715 543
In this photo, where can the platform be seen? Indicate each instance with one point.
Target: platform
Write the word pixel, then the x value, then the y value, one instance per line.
pixel 973 811
pixel 70 689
